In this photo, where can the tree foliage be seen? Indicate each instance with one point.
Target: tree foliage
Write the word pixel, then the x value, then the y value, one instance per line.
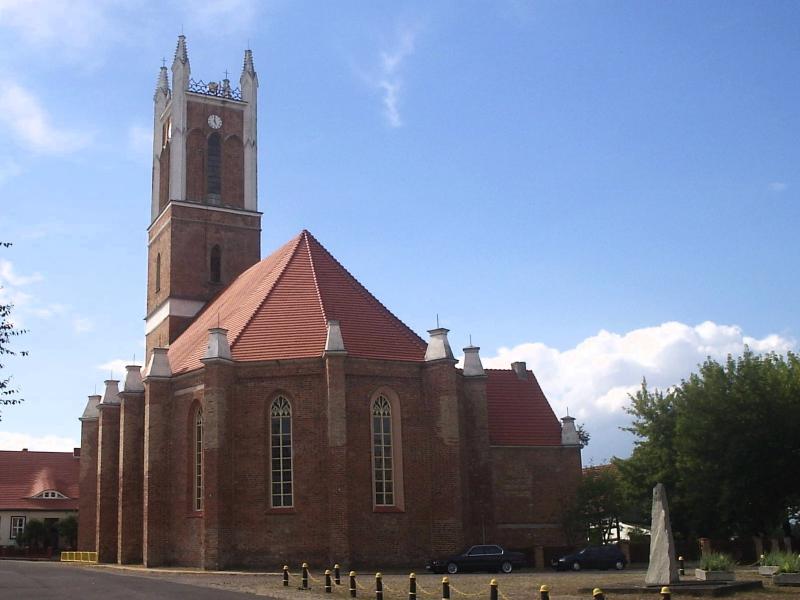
pixel 68 529
pixel 597 507
pixel 8 331
pixel 725 444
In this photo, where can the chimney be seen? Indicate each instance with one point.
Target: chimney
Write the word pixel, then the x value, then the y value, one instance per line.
pixel 438 346
pixel 521 369
pixel 133 379
pixel 159 364
pixel 111 394
pixel 334 341
pixel 218 344
pixel 472 362
pixel 76 453
pixel 569 435
pixel 90 412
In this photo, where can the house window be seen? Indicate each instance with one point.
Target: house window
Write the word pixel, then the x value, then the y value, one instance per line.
pixel 281 441
pixel 198 460
pixel 216 264
pixel 214 167
pixel 17 526
pixel 382 452
pixel 50 495
pixel 158 272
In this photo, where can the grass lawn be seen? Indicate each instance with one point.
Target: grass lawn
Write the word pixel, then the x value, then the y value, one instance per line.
pixel 521 585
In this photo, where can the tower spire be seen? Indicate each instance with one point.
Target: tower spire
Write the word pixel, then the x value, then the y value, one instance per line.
pixel 162 86
pixel 181 54
pixel 248 67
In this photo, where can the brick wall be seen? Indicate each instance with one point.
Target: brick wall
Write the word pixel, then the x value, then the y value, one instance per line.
pixel 107 483
pixel 87 506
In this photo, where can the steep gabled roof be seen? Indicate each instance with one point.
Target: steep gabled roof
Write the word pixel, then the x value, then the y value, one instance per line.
pixel 25 474
pixel 519 413
pixel 279 308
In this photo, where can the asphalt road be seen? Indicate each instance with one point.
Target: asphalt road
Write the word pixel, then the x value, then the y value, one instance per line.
pixel 21 580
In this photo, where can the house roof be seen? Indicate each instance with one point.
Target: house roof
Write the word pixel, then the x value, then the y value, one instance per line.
pixel 279 309
pixel 24 474
pixel 519 413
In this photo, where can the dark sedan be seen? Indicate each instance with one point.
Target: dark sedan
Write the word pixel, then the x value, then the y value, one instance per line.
pixel 479 558
pixel 593 557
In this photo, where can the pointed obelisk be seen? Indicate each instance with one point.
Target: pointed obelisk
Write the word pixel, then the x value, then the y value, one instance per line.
pixel 663 568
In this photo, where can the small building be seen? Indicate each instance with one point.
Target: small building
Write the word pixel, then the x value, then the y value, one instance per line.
pixel 36 485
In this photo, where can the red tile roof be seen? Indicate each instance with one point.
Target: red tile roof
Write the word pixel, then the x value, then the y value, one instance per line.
pixel 519 413
pixel 25 474
pixel 279 308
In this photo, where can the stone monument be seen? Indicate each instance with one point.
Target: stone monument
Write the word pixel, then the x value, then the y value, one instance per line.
pixel 663 568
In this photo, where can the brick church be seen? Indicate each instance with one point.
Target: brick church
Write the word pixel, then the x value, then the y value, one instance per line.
pixel 284 413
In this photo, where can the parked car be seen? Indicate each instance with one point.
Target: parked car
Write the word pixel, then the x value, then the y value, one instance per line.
pixel 486 557
pixel 592 557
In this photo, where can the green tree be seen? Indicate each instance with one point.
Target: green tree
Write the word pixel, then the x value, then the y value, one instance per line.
pixel 724 443
pixel 68 529
pixel 8 331
pixel 597 507
pixel 34 535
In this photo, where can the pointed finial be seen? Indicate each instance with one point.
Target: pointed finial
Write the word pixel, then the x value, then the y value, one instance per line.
pixel 181 54
pixel 470 339
pixel 437 320
pixel 248 67
pixel 163 62
pixel 226 73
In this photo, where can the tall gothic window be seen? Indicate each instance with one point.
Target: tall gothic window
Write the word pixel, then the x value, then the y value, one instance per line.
pixel 216 264
pixel 198 459
pixel 158 272
pixel 214 167
pixel 281 440
pixel 382 452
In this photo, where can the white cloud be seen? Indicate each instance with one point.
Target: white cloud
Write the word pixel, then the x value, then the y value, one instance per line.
pixel 31 125
pixel 10 440
pixel 115 367
pixel 777 186
pixel 82 324
pixel 597 374
pixel 8 276
pixel 389 80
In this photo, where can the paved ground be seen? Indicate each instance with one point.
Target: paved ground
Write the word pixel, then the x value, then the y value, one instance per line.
pixel 22 580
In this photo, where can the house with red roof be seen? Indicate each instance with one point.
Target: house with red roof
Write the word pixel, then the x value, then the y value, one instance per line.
pixel 285 414
pixel 36 485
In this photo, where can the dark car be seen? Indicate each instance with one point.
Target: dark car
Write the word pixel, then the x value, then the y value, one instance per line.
pixel 593 557
pixel 487 557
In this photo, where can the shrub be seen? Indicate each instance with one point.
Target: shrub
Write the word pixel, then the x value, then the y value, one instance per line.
pixel 717 561
pixel 772 559
pixel 790 563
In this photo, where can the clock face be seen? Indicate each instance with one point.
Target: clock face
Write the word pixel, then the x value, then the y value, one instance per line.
pixel 215 121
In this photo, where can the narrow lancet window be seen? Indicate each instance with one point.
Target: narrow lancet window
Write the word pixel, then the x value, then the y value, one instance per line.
pixel 158 272
pixel 214 168
pixel 198 460
pixel 382 458
pixel 281 441
pixel 216 265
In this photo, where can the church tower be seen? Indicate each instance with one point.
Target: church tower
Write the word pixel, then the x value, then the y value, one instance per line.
pixel 205 226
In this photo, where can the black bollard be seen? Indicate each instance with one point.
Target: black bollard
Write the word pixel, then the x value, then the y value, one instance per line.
pixel 665 593
pixel 544 593
pixel 328 587
pixel 412 586
pixel 352 584
pixel 493 589
pixel 336 575
pixel 285 575
pixel 378 586
pixel 305 576
pixel 681 570
pixel 597 594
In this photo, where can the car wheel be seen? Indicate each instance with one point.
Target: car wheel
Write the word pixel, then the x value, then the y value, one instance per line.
pixel 452 568
pixel 619 565
pixel 506 567
pixel 576 566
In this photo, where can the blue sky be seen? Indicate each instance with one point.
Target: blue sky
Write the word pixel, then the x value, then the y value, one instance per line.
pixel 607 190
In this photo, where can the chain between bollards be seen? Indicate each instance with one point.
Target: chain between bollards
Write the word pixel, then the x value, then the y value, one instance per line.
pixel 665 593
pixel 337 575
pixel 304 580
pixel 352 584
pixel 285 575
pixel 544 593
pixel 493 589
pixel 597 594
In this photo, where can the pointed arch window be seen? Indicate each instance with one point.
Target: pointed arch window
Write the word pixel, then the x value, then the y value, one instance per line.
pixel 382 452
pixel 281 440
pixel 158 272
pixel 214 167
pixel 215 266
pixel 198 460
